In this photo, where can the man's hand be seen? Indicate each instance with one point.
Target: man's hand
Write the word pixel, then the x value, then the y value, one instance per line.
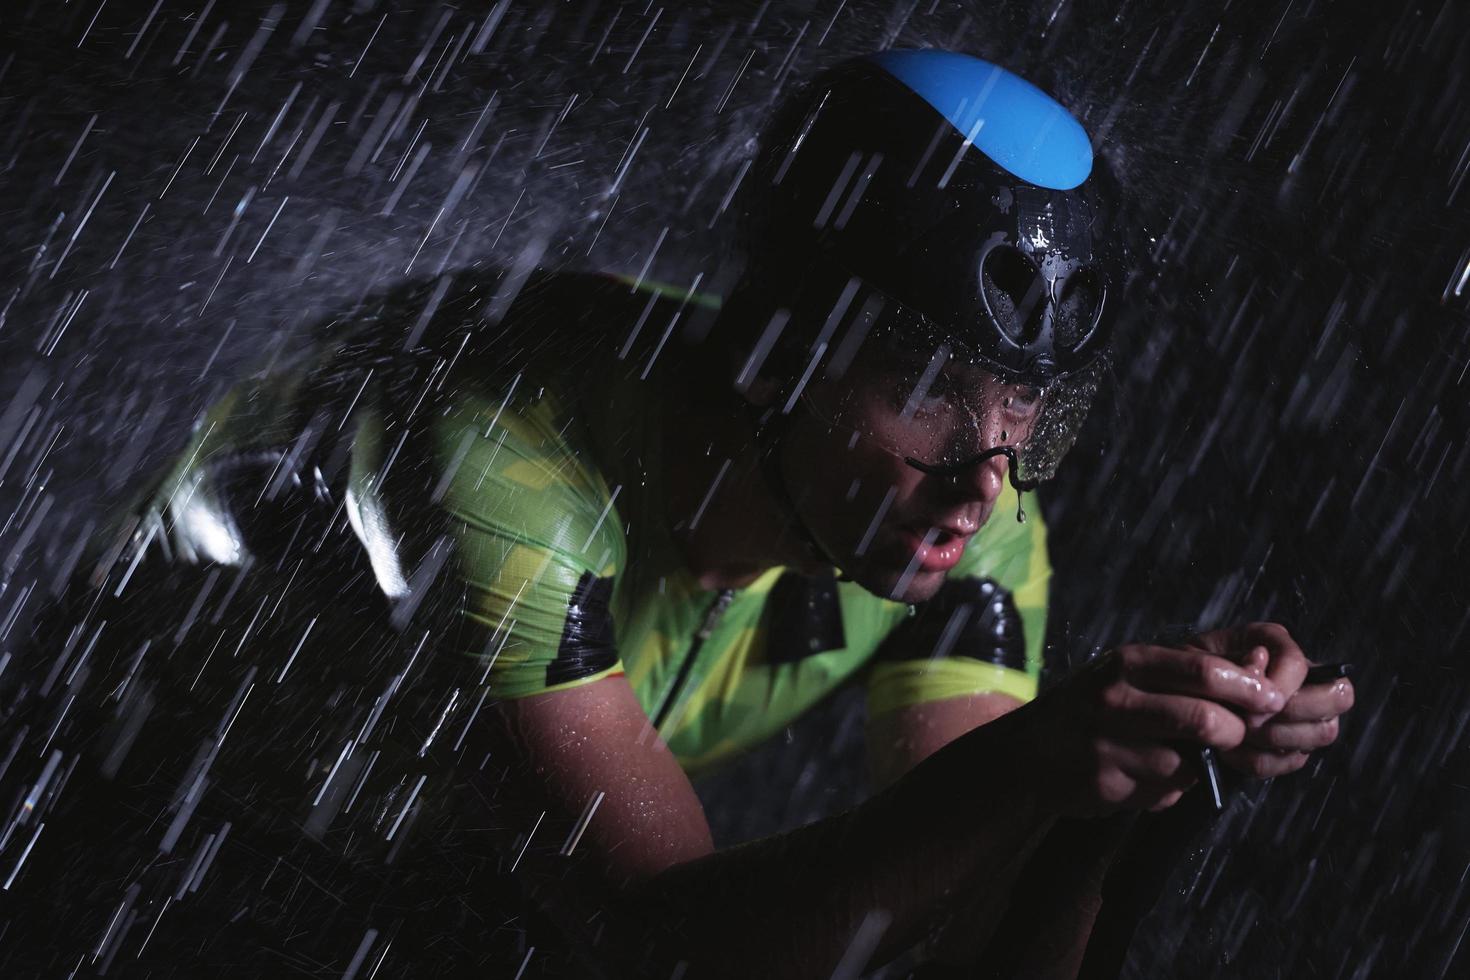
pixel 1278 744
pixel 1118 734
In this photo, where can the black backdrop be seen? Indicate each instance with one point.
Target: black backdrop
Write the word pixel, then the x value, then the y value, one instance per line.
pixel 186 184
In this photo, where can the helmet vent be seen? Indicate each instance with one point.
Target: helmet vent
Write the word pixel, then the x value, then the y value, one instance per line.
pixel 1013 289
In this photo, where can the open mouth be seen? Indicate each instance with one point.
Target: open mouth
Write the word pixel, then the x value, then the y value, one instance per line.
pixel 934 549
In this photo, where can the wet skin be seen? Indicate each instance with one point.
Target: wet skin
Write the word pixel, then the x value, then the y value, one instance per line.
pixel 846 467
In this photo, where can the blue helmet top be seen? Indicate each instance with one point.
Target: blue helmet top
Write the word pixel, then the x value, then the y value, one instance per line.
pixel 1016 124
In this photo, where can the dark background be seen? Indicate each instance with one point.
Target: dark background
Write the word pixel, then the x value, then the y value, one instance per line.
pixel 186 186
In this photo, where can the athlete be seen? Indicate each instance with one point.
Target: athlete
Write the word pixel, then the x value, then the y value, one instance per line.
pixel 472 595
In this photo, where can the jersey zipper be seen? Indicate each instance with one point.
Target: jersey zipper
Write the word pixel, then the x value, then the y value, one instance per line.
pixel 711 617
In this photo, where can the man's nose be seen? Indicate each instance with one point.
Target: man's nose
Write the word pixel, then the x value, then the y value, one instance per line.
pixel 985 481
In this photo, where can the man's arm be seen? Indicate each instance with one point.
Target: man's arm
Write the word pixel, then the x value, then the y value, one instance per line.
pixel 1057 892
pixel 642 876
pixel 593 746
pixel 785 906
pixel 899 740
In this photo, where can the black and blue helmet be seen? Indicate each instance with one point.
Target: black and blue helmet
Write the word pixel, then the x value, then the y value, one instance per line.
pixel 952 189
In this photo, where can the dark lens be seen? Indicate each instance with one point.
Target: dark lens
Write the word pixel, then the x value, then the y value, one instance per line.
pixel 1012 289
pixel 1077 313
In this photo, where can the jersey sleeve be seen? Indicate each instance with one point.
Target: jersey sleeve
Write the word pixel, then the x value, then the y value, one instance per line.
pixel 982 632
pixel 538 541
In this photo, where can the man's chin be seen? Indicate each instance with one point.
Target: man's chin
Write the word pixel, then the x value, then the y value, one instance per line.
pixel 886 583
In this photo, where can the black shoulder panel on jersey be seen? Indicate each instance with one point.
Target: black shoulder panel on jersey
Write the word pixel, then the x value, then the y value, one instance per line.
pixel 968 617
pixel 587 644
pixel 803 617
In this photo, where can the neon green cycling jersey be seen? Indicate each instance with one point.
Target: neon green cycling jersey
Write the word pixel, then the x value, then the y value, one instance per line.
pixel 548 479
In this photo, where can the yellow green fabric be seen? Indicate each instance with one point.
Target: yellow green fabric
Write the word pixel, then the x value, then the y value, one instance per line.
pixel 546 490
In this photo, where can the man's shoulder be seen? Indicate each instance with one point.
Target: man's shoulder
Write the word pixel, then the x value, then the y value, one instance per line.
pixel 419 400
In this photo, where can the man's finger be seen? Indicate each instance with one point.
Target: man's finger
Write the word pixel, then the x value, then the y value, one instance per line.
pixel 1264 764
pixel 1134 774
pixel 1167 671
pixel 1288 665
pixel 1165 801
pixel 1128 712
pixel 1257 660
pixel 1148 762
pixel 1318 701
pixel 1301 736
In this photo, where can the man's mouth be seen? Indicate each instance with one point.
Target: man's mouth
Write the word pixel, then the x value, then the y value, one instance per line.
pixel 935 548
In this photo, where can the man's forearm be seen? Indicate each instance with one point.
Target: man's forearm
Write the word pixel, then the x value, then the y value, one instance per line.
pixel 881 874
pixel 1054 904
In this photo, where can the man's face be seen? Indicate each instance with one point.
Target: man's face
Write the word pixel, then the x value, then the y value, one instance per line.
pixel 894 529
